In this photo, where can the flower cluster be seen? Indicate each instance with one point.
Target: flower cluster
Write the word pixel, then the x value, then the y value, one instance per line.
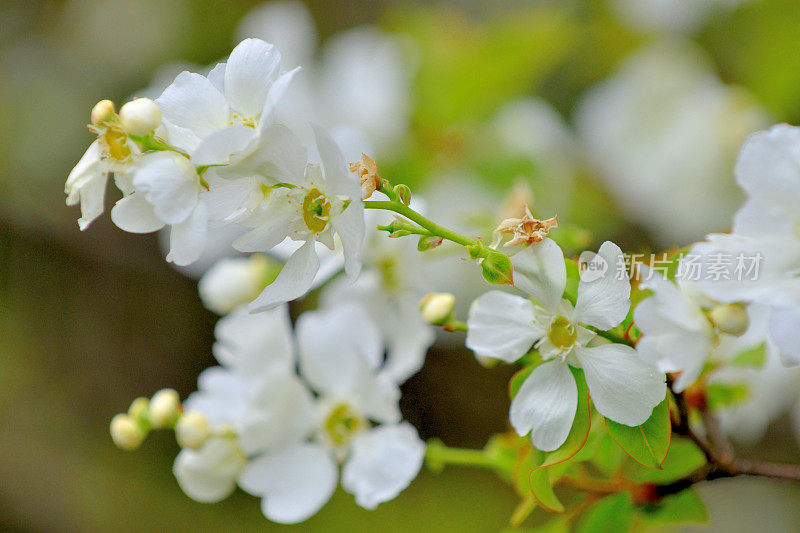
pixel 291 410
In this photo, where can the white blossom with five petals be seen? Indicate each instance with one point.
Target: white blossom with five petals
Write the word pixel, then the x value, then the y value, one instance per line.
pixel 505 326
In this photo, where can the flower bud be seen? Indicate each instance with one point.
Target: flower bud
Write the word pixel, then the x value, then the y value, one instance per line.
pixel 232 282
pixel 125 432
pixel 497 269
pixel 427 242
pixel 140 116
pixel 102 112
pixel 165 408
pixel 730 318
pixel 403 193
pixel 437 307
pixel 138 409
pixel 191 430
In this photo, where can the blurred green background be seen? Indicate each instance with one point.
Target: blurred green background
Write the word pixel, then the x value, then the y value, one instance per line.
pixel 90 320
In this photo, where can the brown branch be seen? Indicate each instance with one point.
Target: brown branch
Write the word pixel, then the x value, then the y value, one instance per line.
pixel 721 457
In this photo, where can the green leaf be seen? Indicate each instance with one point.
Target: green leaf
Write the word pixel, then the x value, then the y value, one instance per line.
pixel 542 488
pixel 612 514
pixel 754 357
pixel 542 477
pixel 684 457
pixel 608 458
pixel 647 444
pixel 721 395
pixel 686 506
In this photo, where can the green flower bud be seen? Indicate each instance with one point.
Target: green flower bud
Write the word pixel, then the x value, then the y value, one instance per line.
pixel 403 193
pixel 497 269
pixel 426 242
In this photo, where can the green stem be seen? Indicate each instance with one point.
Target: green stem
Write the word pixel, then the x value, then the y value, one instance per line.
pixel 412 215
pixel 455 325
pixel 438 455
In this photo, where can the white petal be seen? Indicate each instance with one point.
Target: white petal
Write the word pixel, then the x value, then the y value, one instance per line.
pixel 336 346
pixel 192 102
pixel 135 215
pixel 623 387
pixel 604 301
pixel 278 157
pixel 250 71
pixel 784 331
pixel 255 344
pixel 539 270
pixel 408 337
pixel 221 395
pixel 383 462
pixel 337 177
pixel 294 280
pixel 350 227
pixel 86 184
pixel 170 184
pixel 280 412
pixel 223 145
pixel 217 77
pixel 546 405
pixel 502 326
pixel 769 165
pixel 209 474
pixel 274 96
pixel 188 238
pixel 294 483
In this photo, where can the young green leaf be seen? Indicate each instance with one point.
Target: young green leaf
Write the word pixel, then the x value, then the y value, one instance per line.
pixel 754 357
pixel 647 444
pixel 721 395
pixel 686 506
pixel 684 457
pixel 612 514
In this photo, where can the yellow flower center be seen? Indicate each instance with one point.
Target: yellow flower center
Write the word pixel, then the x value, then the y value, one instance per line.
pixel 562 333
pixel 342 423
pixel 316 211
pixel 117 144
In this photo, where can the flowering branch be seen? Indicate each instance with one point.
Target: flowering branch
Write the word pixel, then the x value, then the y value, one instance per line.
pixel 432 227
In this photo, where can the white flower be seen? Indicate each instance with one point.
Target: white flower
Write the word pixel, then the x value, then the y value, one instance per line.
pixel 663 133
pixel 278 440
pixel 389 289
pixel 215 117
pixel 112 152
pixel 305 202
pixel 678 337
pixel 340 356
pixel 234 281
pixel 771 390
pixel 208 474
pixel 168 191
pixel 505 326
pixel 253 402
pixel 764 230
